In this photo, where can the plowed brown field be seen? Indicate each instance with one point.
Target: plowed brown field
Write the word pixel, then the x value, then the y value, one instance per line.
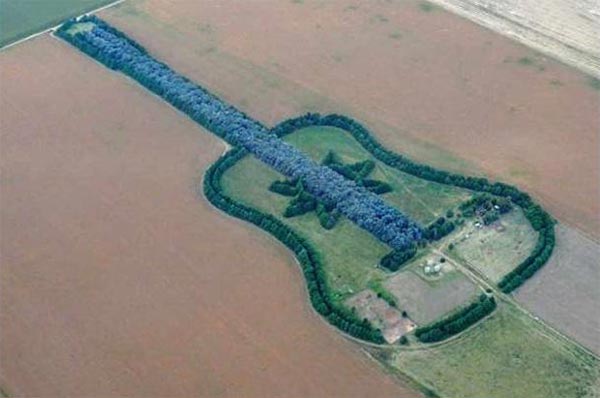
pixel 565 292
pixel 422 79
pixel 117 278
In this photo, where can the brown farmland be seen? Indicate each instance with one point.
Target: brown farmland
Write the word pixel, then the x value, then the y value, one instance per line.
pixel 117 278
pixel 568 30
pixel 422 80
pixel 565 292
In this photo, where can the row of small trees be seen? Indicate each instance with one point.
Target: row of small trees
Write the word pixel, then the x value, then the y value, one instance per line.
pixel 308 257
pixel 395 259
pixel 438 229
pixel 536 260
pixel 457 322
pixel 539 219
pixel 354 201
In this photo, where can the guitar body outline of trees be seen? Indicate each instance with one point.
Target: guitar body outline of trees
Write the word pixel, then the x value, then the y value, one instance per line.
pixel 303 202
pixel 356 201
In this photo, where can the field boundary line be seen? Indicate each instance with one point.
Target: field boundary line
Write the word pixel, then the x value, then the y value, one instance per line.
pixel 565 53
pixel 53 28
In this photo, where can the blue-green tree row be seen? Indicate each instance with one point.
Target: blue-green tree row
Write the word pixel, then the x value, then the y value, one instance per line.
pixel 357 203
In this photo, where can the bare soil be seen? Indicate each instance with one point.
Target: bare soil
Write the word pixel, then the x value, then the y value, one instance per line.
pixel 427 301
pixel 430 84
pixel 565 292
pixel 117 278
pixel 381 314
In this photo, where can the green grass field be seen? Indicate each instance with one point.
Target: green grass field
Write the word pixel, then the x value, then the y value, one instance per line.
pixel 509 355
pixel 422 200
pixel 350 254
pixel 21 18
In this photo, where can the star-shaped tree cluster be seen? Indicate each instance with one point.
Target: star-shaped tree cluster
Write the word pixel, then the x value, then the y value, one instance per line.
pixel 303 202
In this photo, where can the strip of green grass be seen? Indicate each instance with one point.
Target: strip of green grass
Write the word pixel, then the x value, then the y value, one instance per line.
pixel 21 18
pixel 509 355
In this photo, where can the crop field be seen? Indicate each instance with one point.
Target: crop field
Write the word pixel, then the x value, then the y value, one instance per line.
pixel 21 18
pixel 509 355
pixel 417 78
pixel 494 249
pixel 118 278
pixel 425 300
pixel 390 242
pixel 565 293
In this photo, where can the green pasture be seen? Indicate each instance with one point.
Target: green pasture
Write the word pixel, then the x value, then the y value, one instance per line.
pixel 422 200
pixel 509 355
pixel 21 18
pixel 350 254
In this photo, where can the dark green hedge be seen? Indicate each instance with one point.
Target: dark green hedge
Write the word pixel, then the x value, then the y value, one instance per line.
pixel 327 218
pixel 301 204
pixel 308 257
pixel 458 321
pixel 540 220
pixel 536 260
pixel 284 188
pixel 438 229
pixel 395 259
pixel 489 207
